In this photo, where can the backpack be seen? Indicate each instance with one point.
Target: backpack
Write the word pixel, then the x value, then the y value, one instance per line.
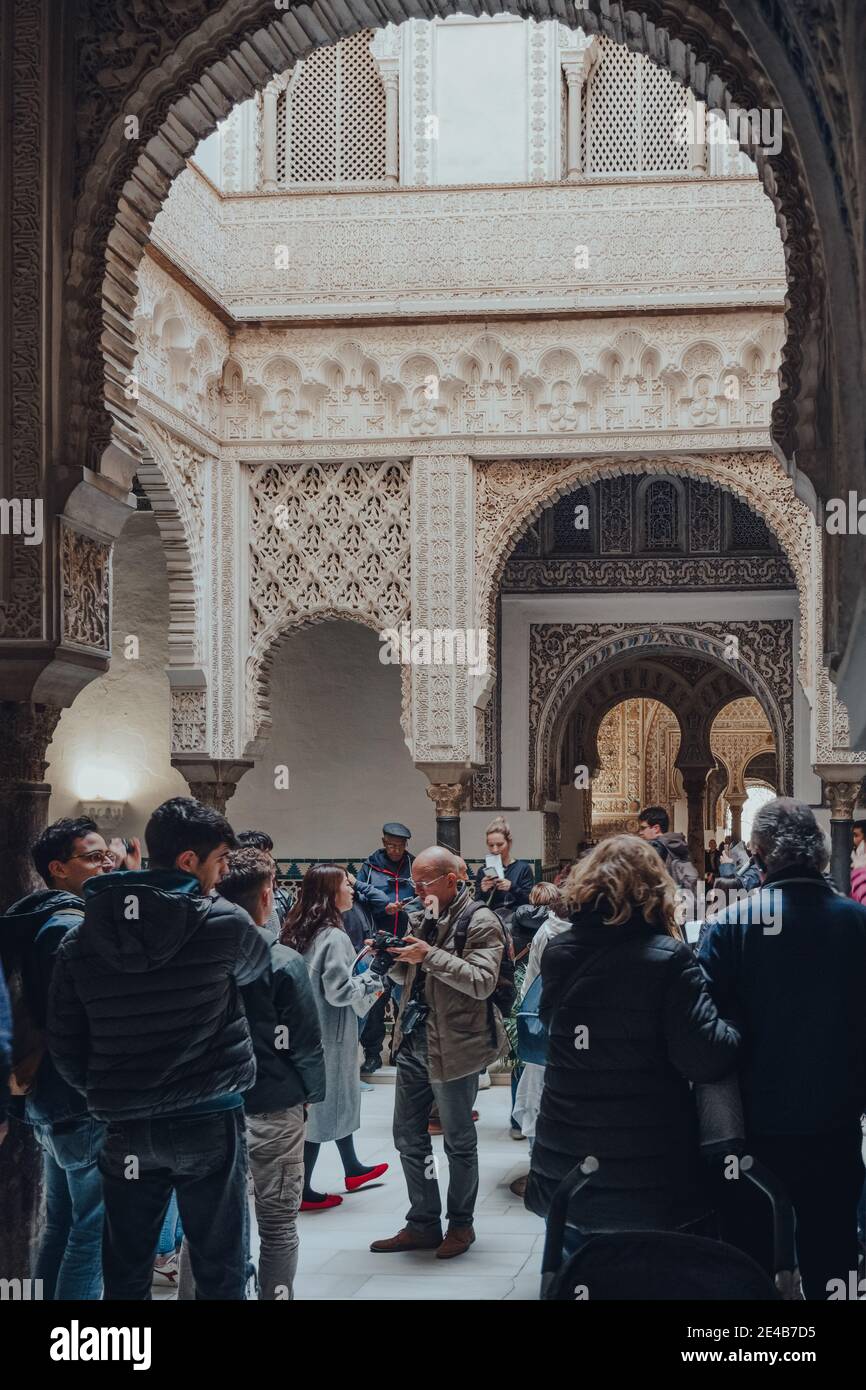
pixel 505 992
pixel 682 871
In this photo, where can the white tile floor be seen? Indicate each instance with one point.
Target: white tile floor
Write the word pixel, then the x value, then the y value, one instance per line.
pixel 335 1257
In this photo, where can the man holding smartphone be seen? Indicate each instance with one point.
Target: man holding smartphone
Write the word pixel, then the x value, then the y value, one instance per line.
pixel 447 1031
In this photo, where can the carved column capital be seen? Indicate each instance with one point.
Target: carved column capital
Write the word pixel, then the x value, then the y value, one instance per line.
pixel 447 797
pixel 212 781
pixel 25 733
pixel 842 797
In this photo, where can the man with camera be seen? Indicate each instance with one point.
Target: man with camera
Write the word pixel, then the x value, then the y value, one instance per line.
pixel 448 1029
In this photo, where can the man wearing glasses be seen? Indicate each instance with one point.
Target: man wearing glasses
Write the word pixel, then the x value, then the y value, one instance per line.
pixel 69 1261
pixel 447 1031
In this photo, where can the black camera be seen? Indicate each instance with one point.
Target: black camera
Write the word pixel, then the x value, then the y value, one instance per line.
pixel 382 962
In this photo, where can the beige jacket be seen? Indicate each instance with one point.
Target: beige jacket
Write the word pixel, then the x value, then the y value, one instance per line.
pixel 457 990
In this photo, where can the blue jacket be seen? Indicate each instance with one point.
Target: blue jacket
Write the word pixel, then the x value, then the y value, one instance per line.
pixel 379 882
pixel 788 966
pixel 32 931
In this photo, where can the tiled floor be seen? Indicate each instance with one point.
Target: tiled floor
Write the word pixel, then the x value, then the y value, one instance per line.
pixel 335 1257
pixel 337 1263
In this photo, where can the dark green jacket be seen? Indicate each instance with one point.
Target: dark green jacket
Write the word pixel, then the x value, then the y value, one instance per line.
pixel 287 1039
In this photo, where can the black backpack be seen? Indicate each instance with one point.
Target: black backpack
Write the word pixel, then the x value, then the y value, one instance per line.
pixel 505 992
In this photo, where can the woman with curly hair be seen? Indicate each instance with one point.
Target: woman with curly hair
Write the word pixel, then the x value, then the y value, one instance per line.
pixel 630 1025
pixel 314 927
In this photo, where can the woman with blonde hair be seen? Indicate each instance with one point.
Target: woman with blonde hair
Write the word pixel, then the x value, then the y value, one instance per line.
pixel 630 1024
pixel 511 890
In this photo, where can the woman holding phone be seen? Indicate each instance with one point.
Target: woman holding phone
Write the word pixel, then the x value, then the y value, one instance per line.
pixel 511 889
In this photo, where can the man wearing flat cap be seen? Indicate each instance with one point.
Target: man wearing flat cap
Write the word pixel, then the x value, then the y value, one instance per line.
pixel 388 874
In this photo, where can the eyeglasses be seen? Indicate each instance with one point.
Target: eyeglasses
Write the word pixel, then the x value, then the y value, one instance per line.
pixel 429 884
pixel 95 856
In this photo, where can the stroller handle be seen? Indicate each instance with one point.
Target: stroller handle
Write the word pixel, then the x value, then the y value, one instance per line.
pixel 573 1181
pixel 784 1246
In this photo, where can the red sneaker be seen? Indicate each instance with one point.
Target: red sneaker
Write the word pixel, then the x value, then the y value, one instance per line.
pixel 331 1200
pixel 352 1184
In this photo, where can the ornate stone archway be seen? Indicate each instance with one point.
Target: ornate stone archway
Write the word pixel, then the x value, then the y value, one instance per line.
pixel 566 659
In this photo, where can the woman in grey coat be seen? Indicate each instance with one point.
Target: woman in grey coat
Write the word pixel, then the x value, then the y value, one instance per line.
pixel 314 927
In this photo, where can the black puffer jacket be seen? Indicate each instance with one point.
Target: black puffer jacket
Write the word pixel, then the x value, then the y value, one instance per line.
pixel 144 1011
pixel 620 1091
pixel 287 1038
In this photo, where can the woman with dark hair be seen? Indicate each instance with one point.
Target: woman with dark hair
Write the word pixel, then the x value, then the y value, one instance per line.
pixel 630 1023
pixel 314 928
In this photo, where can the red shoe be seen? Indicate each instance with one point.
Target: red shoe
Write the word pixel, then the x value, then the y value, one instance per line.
pixel 475 1116
pixel 331 1200
pixel 352 1184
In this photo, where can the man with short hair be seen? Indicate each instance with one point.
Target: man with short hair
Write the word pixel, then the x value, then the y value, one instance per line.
pixel 654 826
pixel 384 881
pixel 447 1031
pixel 261 840
pixel 290 1074
pixel 145 1018
pixel 67 855
pixel 788 965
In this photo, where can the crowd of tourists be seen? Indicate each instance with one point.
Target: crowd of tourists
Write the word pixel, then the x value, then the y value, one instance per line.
pixel 184 1034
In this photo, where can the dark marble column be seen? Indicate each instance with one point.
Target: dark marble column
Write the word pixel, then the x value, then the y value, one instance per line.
pixel 447 798
pixel 841 797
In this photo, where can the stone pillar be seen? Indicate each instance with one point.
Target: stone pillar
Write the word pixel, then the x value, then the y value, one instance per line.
pixel 697 127
pixel 447 798
pixel 736 801
pixel 577 62
pixel 269 138
pixel 212 781
pixel 841 794
pixel 695 785
pixel 390 80
pixel 25 733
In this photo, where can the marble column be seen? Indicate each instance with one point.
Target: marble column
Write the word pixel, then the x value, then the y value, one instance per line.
pixel 577 63
pixel 447 798
pixel 390 81
pixel 269 138
pixel 841 795
pixel 695 785
pixel 212 781
pixel 736 801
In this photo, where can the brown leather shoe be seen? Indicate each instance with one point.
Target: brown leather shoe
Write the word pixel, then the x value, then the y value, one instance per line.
pixel 456 1242
pixel 407 1239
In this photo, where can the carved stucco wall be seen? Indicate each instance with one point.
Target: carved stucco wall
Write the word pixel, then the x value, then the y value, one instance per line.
pixel 325 540
pixel 684 241
pixel 739 732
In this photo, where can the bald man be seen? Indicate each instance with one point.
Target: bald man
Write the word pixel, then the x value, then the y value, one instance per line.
pixel 447 1031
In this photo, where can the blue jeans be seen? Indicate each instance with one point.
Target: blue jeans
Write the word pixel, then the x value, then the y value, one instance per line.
pixel 171 1234
pixel 69 1261
pixel 204 1159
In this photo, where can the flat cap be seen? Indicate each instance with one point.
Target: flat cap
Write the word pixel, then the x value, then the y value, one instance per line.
pixel 399 832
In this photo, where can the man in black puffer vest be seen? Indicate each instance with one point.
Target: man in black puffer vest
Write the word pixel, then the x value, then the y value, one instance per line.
pixel 145 1018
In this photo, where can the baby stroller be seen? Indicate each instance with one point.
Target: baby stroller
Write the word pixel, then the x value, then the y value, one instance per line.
pixel 664 1265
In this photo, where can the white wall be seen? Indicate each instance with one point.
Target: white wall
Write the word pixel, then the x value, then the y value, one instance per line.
pixel 336 726
pixel 114 740
pixel 480 98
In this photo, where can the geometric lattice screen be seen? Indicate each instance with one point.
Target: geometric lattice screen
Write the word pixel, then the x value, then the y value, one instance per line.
pixel 331 118
pixel 630 117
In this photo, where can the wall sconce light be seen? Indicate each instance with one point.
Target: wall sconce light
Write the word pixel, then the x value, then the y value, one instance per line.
pixel 107 814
